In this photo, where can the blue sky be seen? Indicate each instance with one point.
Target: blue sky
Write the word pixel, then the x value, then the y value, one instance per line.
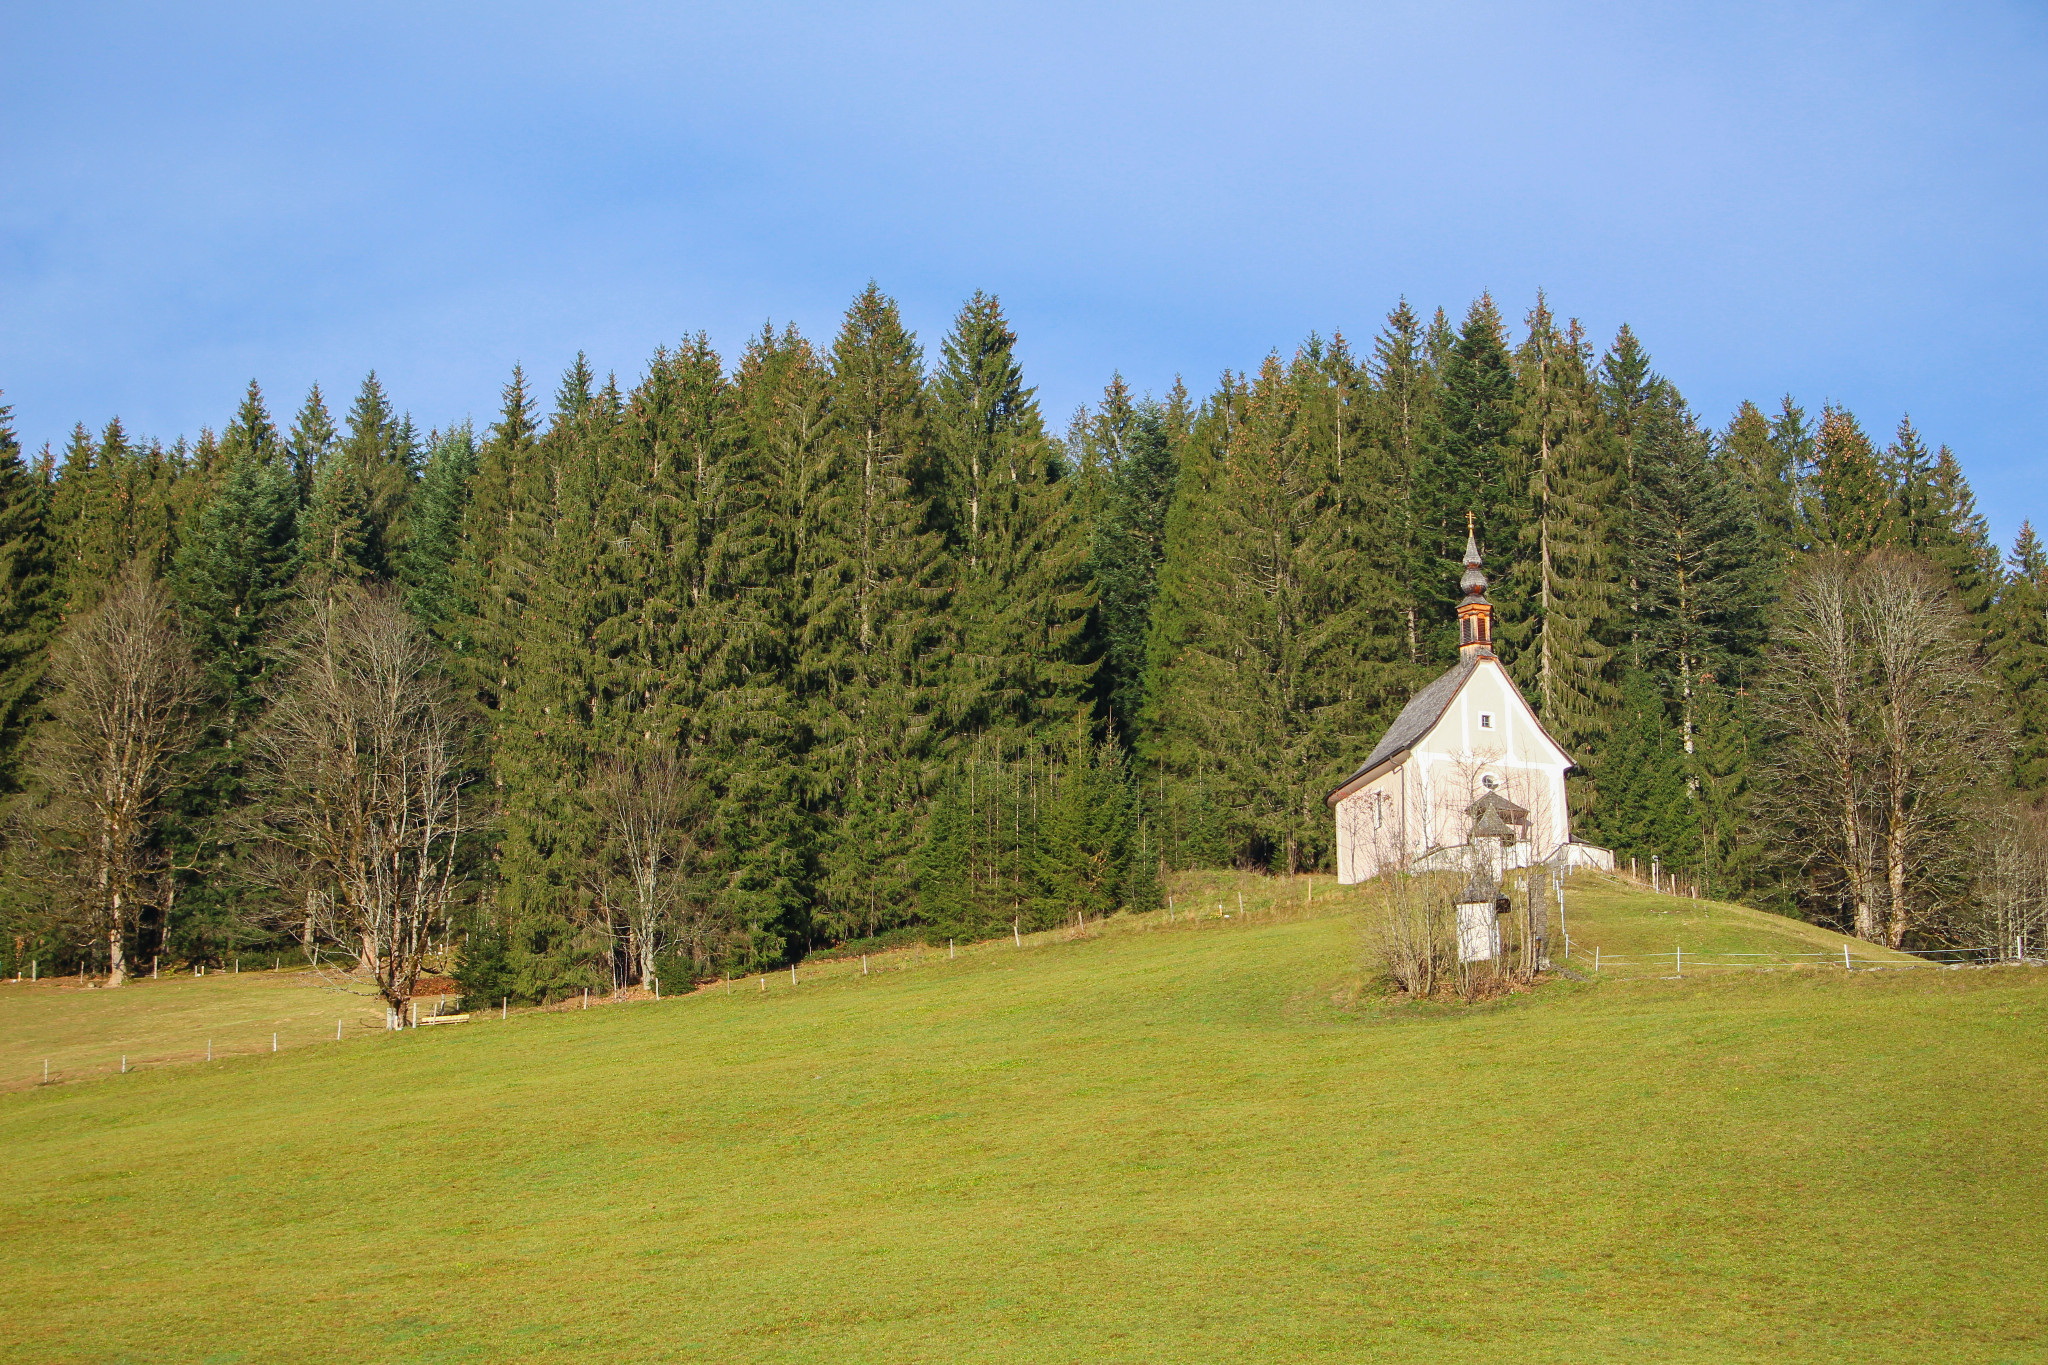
pixel 1846 202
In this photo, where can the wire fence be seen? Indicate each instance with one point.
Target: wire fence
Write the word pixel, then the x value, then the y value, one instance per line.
pixel 1655 963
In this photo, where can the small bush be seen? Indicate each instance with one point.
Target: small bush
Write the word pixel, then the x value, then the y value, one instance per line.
pixel 1411 932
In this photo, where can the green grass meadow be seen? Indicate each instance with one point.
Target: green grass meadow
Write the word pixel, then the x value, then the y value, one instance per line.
pixel 1194 1141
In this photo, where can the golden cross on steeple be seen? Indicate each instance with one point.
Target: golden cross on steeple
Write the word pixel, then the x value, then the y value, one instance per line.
pixel 1469 525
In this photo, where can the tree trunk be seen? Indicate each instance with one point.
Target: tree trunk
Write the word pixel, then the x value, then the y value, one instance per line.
pixel 1852 844
pixel 1895 872
pixel 117 961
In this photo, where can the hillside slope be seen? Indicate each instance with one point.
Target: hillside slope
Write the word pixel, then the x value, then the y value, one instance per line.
pixel 1638 932
pixel 1160 1143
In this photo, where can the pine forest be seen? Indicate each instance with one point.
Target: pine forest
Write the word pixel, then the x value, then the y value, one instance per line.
pixel 846 642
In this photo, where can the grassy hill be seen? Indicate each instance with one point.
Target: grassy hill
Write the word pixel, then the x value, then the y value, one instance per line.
pixel 1194 1141
pixel 1637 933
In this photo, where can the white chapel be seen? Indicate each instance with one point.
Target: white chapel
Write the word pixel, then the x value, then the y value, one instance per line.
pixel 1465 744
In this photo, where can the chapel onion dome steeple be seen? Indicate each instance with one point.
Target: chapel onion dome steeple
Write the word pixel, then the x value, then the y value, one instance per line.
pixel 1475 613
pixel 1474 581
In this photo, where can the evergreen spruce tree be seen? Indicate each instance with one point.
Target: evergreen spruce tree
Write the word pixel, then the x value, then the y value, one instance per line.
pixel 776 551
pixel 1471 465
pixel 112 504
pixel 1644 809
pixel 356 519
pixel 431 549
pixel 1286 649
pixel 503 537
pixel 310 442
pixel 1630 391
pixel 231 577
pixel 945 887
pixel 557 710
pixel 1763 470
pixel 28 608
pixel 1909 470
pixel 1719 777
pixel 1792 437
pixel 1402 395
pixel 1627 387
pixel 1021 597
pixel 720 672
pixel 1088 838
pixel 1129 444
pixel 876 662
pixel 1697 561
pixel 337 539
pixel 1851 510
pixel 1437 341
pixel 1561 662
pixel 490 582
pixel 1174 738
pixel 234 570
pixel 1958 539
pixel 2018 647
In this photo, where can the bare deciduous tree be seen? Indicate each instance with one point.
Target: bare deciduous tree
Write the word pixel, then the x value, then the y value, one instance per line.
pixel 127 694
pixel 1810 694
pixel 652 811
pixel 2009 912
pixel 1880 734
pixel 359 776
pixel 1934 726
pixel 1411 931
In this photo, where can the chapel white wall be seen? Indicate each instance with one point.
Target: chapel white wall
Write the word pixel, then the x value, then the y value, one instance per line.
pixel 1424 799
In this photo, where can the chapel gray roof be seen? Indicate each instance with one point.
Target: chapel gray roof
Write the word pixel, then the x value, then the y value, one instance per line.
pixel 1419 716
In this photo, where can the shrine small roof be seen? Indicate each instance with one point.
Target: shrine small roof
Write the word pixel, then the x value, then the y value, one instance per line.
pixel 1481 890
pixel 1489 825
pixel 1493 800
